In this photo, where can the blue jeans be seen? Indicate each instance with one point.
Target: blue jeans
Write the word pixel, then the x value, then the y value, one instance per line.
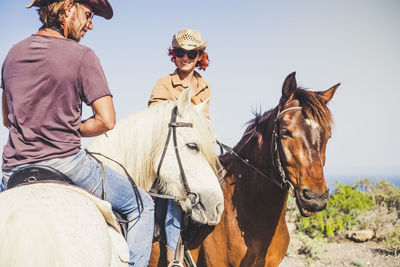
pixel 86 172
pixel 173 220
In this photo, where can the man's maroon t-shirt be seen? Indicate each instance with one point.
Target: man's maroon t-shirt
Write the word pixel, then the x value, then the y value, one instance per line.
pixel 45 80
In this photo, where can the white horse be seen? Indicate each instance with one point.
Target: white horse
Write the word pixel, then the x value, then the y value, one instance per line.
pixel 61 227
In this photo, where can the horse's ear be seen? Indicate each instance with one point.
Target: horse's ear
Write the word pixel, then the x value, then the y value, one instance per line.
pixel 327 95
pixel 288 88
pixel 184 100
pixel 202 106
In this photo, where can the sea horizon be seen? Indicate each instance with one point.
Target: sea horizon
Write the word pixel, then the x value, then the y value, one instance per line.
pixel 352 179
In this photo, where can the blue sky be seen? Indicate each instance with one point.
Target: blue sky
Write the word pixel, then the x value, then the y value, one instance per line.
pixel 253 46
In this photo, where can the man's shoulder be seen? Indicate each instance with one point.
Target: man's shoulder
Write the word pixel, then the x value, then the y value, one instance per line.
pixel 36 40
pixel 21 43
pixel 72 45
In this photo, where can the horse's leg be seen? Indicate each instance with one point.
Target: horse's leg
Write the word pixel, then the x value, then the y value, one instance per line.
pixel 158 255
pixel 217 251
pixel 279 245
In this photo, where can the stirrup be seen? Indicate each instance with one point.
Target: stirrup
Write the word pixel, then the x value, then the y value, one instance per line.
pixel 175 263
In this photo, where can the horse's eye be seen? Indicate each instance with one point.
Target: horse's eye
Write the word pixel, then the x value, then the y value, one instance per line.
pixel 286 133
pixel 192 146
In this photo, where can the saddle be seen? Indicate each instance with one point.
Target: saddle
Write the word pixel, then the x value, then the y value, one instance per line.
pixel 35 173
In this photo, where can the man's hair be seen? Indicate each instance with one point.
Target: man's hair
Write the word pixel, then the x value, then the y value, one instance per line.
pixel 53 15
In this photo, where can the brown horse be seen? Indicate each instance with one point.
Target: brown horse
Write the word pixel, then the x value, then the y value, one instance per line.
pixel 284 147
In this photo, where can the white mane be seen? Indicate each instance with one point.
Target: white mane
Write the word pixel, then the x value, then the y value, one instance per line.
pixel 137 141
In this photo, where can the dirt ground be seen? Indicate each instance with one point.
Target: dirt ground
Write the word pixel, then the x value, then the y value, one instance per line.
pixel 340 254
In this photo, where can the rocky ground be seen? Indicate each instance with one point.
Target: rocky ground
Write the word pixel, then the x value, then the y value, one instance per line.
pixel 339 253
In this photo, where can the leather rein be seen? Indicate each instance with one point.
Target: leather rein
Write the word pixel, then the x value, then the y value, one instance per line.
pixel 282 182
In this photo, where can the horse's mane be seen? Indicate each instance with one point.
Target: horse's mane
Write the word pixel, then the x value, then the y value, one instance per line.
pixel 137 141
pixel 313 106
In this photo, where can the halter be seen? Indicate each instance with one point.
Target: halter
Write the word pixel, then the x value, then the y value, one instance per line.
pixel 283 183
pixel 194 197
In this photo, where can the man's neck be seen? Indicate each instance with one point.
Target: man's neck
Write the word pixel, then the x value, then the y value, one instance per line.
pixel 49 32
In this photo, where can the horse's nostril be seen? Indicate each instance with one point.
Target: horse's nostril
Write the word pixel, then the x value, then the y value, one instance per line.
pixel 194 198
pixel 325 195
pixel 307 194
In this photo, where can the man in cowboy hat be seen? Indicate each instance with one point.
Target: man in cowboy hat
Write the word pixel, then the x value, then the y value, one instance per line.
pixel 45 79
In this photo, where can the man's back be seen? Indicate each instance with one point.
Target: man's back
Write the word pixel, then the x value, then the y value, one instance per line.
pixel 44 79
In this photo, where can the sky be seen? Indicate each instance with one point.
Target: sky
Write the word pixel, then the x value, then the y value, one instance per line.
pixel 253 45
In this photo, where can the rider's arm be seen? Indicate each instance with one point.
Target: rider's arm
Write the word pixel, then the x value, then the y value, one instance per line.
pixel 6 122
pixel 103 119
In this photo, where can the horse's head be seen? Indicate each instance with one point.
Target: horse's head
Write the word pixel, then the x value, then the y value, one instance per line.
pixel 303 127
pixel 188 164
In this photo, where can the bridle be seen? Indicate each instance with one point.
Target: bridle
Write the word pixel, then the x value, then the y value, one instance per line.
pixel 192 196
pixel 173 124
pixel 276 147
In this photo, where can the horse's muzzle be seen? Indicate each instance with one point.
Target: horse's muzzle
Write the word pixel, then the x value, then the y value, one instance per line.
pixel 311 201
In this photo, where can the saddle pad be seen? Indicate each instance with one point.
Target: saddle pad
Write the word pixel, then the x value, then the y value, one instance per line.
pixel 120 244
pixel 114 229
pixel 103 206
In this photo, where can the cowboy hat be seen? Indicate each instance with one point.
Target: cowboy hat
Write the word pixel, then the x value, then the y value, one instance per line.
pixel 100 8
pixel 188 39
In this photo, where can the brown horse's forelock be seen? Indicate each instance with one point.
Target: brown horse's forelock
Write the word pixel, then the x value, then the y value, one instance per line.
pixel 314 108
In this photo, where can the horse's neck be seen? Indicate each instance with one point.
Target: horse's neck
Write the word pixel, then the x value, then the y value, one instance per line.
pixel 257 148
pixel 131 144
pixel 253 190
pixel 249 192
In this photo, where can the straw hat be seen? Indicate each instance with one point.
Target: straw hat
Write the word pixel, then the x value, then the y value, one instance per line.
pixel 188 39
pixel 100 8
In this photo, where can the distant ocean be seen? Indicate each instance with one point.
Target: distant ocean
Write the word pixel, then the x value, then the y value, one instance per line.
pixel 352 179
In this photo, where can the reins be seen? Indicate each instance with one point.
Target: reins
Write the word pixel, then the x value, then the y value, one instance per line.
pixel 248 164
pixel 284 183
pixel 132 182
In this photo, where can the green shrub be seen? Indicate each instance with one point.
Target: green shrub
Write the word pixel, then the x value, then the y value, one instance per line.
pixel 311 248
pixel 382 192
pixel 387 194
pixel 392 242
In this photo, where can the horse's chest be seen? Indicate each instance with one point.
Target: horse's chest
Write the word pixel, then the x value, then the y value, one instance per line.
pixel 244 241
